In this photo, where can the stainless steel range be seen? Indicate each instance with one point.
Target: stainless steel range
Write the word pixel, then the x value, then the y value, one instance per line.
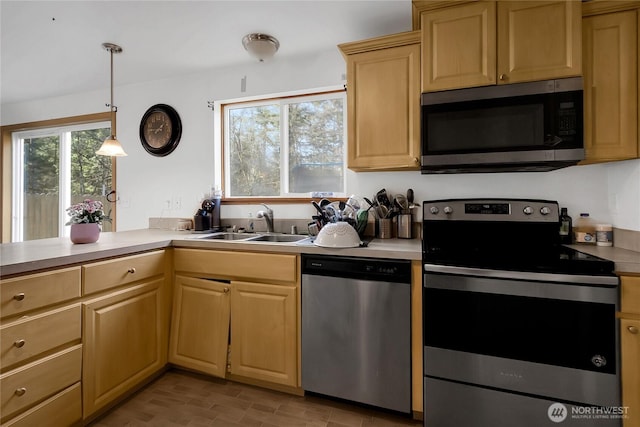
pixel 518 329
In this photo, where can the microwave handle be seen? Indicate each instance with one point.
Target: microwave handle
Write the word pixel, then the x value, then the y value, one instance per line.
pixel 552 140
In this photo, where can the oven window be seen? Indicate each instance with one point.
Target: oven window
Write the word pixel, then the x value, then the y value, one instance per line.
pixel 550 331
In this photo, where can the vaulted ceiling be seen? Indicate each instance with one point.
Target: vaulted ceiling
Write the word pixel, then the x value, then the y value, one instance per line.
pixel 54 48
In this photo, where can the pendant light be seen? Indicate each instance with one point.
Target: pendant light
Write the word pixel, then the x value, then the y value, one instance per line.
pixel 111 146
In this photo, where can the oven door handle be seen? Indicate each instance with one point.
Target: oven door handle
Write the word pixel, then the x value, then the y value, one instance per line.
pixel 610 281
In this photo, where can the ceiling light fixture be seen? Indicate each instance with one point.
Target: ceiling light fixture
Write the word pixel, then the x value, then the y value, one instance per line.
pixel 111 146
pixel 261 46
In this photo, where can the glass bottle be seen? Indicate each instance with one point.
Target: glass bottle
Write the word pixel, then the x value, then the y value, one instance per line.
pixel 566 227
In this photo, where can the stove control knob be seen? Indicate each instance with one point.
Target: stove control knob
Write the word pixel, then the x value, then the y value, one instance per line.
pixel 545 210
pixel 447 210
pixel 434 210
pixel 528 210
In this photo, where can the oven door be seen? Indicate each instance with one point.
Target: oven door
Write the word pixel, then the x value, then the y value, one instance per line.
pixel 553 336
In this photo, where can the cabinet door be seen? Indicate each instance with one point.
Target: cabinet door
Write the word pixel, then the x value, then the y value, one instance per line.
pixel 383 97
pixel 630 355
pixel 539 40
pixel 459 47
pixel 124 342
pixel 200 325
pixel 610 87
pixel 264 332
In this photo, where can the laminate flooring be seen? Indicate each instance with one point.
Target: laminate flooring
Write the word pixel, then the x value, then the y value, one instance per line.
pixel 180 398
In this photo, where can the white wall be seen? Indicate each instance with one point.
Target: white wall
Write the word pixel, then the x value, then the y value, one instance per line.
pixel 609 192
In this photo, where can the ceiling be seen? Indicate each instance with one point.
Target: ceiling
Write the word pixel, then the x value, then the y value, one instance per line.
pixel 54 48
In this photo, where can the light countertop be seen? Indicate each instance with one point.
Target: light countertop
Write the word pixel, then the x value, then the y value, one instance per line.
pixel 35 255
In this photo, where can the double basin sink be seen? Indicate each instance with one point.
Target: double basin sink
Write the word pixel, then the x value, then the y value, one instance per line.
pixel 255 237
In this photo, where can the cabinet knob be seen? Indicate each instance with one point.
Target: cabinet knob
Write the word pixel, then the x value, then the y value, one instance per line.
pixel 19 297
pixel 226 290
pixel 20 391
pixel 19 343
pixel 131 270
pixel 632 329
pixel 416 161
pixel 502 77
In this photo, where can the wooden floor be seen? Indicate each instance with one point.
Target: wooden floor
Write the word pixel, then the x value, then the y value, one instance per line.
pixel 180 398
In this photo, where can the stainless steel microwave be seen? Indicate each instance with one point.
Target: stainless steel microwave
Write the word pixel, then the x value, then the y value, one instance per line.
pixel 534 126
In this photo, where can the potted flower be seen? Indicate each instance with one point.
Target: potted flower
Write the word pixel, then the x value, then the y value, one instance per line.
pixel 86 218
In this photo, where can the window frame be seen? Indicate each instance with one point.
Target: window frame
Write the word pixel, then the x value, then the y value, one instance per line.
pixel 6 160
pixel 221 143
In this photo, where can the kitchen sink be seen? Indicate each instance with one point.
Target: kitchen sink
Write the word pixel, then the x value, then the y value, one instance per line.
pixel 278 238
pixel 229 236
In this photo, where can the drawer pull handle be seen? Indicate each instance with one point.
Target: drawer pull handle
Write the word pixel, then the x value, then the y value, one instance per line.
pixel 19 297
pixel 20 391
pixel 131 270
pixel 19 343
pixel 632 329
pixel 226 290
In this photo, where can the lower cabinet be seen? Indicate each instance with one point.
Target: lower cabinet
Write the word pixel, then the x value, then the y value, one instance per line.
pixel 242 322
pixel 200 325
pixel 124 342
pixel 263 332
pixel 630 348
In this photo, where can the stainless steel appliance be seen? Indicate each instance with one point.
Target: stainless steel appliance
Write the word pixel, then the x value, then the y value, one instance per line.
pixel 534 126
pixel 518 329
pixel 356 329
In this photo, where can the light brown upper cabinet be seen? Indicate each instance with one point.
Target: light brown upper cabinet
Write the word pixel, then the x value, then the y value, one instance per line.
pixel 611 85
pixel 383 102
pixel 487 42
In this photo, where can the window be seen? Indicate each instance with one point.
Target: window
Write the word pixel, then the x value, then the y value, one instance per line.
pixel 285 147
pixel 52 169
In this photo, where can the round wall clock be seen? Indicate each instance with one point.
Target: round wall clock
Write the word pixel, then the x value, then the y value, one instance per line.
pixel 160 130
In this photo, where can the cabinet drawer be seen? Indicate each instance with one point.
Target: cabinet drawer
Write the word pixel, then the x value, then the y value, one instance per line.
pixel 31 383
pixel 30 336
pixel 63 409
pixel 630 298
pixel 21 294
pixel 104 275
pixel 238 265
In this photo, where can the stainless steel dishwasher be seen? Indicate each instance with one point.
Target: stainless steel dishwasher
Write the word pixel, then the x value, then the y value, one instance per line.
pixel 356 329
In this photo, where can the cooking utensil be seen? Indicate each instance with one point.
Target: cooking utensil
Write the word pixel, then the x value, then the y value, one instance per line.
pixel 383 198
pixel 401 202
pixel 382 211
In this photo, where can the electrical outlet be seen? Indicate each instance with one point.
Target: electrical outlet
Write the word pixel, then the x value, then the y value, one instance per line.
pixel 167 205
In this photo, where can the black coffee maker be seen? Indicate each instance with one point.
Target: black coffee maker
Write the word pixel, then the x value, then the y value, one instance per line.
pixel 208 218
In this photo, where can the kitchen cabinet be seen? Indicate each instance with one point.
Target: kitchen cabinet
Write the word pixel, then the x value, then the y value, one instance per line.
pixel 487 42
pixel 200 325
pixel 264 332
pixel 383 102
pixel 630 348
pixel 256 297
pixel 611 83
pixel 40 348
pixel 125 329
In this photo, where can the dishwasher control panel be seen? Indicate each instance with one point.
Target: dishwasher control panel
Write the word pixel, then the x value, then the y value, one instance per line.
pixel 377 269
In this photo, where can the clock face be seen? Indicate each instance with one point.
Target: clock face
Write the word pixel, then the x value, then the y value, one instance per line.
pixel 157 129
pixel 160 130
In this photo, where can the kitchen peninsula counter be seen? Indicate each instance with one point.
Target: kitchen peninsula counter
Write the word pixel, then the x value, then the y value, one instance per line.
pixel 43 254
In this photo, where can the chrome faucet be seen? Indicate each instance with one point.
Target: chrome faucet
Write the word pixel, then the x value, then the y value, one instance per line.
pixel 268 217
